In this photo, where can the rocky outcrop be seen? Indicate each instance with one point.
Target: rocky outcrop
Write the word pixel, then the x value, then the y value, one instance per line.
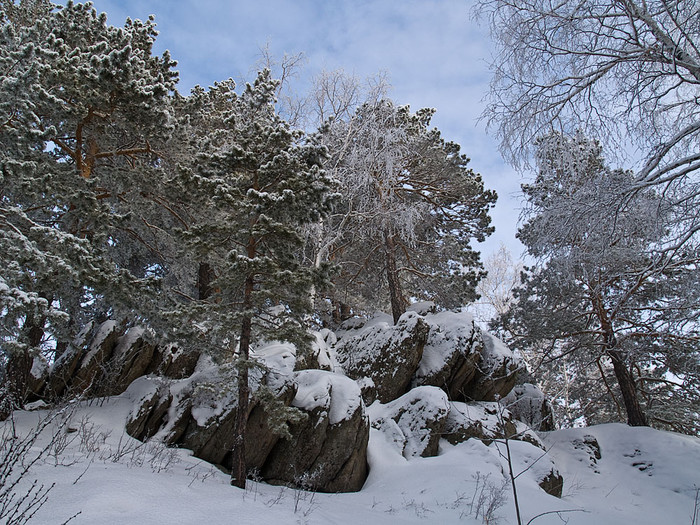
pixel 382 357
pixel 307 425
pixel 552 483
pixel 415 422
pixel 105 359
pixel 496 373
pixel 485 421
pixel 528 404
pixel 451 355
pixel 173 362
pixel 328 450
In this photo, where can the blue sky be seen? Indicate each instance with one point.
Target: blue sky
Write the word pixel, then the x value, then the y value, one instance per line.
pixel 433 51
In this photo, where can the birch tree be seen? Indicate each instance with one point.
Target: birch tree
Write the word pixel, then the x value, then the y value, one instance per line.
pixel 626 70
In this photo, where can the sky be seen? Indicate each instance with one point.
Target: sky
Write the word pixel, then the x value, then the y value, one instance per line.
pixel 434 52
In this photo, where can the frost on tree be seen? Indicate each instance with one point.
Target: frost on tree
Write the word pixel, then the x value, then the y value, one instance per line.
pixel 627 70
pixel 410 209
pixel 604 287
pixel 254 184
pixel 81 115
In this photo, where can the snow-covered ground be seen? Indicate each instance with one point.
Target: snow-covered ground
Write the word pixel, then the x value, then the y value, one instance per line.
pixel 643 476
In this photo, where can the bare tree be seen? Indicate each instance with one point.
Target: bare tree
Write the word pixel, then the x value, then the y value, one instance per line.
pixel 627 70
pixel 496 289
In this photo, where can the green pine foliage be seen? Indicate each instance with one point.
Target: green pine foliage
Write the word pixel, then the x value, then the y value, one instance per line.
pixel 83 106
pixel 608 308
pixel 250 185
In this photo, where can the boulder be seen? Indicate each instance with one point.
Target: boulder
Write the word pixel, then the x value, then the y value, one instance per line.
pixel 383 356
pixel 552 483
pixel 173 362
pixel 496 373
pixel 319 356
pixel 201 416
pixel 327 451
pixel 528 404
pixel 211 421
pixel 485 421
pixel 414 422
pixel 149 411
pixel 587 450
pixel 38 377
pixel 92 363
pixel 452 353
pixel 130 359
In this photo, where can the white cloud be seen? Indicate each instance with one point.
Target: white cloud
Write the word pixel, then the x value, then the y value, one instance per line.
pixel 434 52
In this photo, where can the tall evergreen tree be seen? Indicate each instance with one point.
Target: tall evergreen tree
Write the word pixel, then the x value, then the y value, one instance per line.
pixel 82 107
pixel 255 182
pixel 601 287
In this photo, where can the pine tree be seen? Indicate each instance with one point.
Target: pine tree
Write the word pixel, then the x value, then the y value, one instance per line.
pixel 82 106
pixel 252 186
pixel 604 287
pixel 411 207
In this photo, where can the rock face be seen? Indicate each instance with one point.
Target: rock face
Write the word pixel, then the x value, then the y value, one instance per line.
pixel 200 415
pixel 485 421
pixel 528 404
pixel 326 450
pixel 451 354
pixel 383 357
pixel 414 422
pixel 496 372
pixel 94 356
pixel 105 359
pixel 307 421
pixel 130 359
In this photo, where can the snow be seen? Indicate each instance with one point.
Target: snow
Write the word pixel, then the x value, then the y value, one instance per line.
pixel 646 477
pixel 496 352
pixel 128 340
pixel 277 356
pixel 103 332
pixel 449 330
pixel 403 421
pixel 338 395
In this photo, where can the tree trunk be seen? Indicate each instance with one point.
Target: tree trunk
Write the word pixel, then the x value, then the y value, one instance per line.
pixel 399 304
pixel 239 470
pixel 19 367
pixel 623 374
pixel 205 276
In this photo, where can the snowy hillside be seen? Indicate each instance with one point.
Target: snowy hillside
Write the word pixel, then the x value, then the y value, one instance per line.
pixel 643 476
